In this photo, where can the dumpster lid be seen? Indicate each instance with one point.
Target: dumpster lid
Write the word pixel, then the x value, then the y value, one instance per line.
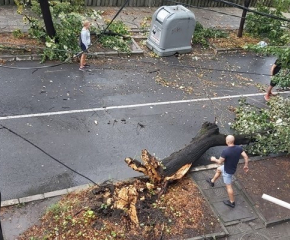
pixel 161 15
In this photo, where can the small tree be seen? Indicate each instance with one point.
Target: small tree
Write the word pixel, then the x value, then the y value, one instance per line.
pixel 270 127
pixel 67 18
pixel 272 30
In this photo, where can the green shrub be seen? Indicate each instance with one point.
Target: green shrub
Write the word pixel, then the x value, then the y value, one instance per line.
pixel 202 34
pixel 266 27
pixel 117 43
pixel 270 127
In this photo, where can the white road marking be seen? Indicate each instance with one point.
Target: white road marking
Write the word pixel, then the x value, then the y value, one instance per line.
pixel 132 106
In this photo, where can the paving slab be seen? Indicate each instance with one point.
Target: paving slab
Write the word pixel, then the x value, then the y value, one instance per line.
pixel 241 212
pixel 15 220
pixel 215 195
pixel 242 222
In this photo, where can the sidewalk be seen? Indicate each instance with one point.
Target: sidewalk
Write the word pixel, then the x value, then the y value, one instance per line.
pixel 246 220
pixel 132 16
pixel 225 18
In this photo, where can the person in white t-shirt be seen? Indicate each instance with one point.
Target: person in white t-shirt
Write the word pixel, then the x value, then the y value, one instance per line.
pixel 85 41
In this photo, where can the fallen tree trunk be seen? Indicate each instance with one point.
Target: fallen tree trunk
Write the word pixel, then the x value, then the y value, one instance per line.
pixel 178 163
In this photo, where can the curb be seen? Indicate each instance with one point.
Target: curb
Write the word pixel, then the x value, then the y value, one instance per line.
pixel 227 50
pixel 10 58
pixel 61 192
pixel 43 196
pixel 37 57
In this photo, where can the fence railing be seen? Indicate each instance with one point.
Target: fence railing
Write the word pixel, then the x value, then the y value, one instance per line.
pixel 156 3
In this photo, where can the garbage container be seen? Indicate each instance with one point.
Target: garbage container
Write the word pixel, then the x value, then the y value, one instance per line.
pixel 171 30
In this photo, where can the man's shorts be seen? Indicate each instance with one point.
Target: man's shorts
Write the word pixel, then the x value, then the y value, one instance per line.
pixel 83 47
pixel 272 84
pixel 228 178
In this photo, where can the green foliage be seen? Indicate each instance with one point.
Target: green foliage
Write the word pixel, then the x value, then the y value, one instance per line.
pixel 281 4
pixel 66 7
pixel 270 126
pixel 145 24
pixel 55 209
pixel 117 43
pixel 283 53
pixel 67 19
pixel 201 34
pixel 266 27
pixel 17 33
pixel 282 79
pixel 67 43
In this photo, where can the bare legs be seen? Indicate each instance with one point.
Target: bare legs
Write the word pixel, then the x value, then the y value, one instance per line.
pixel 217 175
pixel 230 192
pixel 83 60
pixel 269 93
pixel 229 187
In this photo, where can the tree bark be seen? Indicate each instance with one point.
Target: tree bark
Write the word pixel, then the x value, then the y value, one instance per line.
pixel 159 171
pixel 50 30
pixel 243 19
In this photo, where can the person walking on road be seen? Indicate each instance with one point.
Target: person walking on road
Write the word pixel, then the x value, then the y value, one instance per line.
pixel 276 67
pixel 230 157
pixel 85 41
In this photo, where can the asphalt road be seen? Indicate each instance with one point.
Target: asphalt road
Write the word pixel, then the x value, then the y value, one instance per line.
pixel 91 121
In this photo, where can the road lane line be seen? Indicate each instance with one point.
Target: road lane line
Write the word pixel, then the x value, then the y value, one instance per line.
pixel 131 106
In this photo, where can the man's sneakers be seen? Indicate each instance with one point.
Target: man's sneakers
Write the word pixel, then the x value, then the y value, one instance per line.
pixel 210 182
pixel 83 67
pixel 229 203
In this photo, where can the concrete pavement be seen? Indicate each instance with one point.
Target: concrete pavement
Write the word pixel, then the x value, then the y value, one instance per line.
pixel 224 18
pixel 229 18
pixel 244 221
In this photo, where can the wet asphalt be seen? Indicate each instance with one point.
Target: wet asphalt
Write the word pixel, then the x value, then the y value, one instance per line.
pixel 96 142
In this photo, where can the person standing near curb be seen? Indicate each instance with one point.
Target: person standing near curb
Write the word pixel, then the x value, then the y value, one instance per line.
pixel 274 70
pixel 85 41
pixel 230 157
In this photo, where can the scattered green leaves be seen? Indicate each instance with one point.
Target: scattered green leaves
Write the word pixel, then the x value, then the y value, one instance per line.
pixel 114 38
pixel 270 127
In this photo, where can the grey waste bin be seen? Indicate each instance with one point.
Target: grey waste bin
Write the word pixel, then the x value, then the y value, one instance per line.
pixel 171 30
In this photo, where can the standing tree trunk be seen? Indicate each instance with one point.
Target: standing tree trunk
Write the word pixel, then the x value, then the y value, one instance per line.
pixel 44 5
pixel 178 163
pixel 242 23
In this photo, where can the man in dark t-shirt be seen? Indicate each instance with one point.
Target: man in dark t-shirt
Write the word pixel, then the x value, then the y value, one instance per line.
pixel 230 156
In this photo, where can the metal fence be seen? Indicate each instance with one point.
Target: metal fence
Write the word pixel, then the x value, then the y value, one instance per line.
pixel 156 3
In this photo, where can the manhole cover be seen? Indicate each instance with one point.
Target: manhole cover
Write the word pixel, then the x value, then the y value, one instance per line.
pixel 254 236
